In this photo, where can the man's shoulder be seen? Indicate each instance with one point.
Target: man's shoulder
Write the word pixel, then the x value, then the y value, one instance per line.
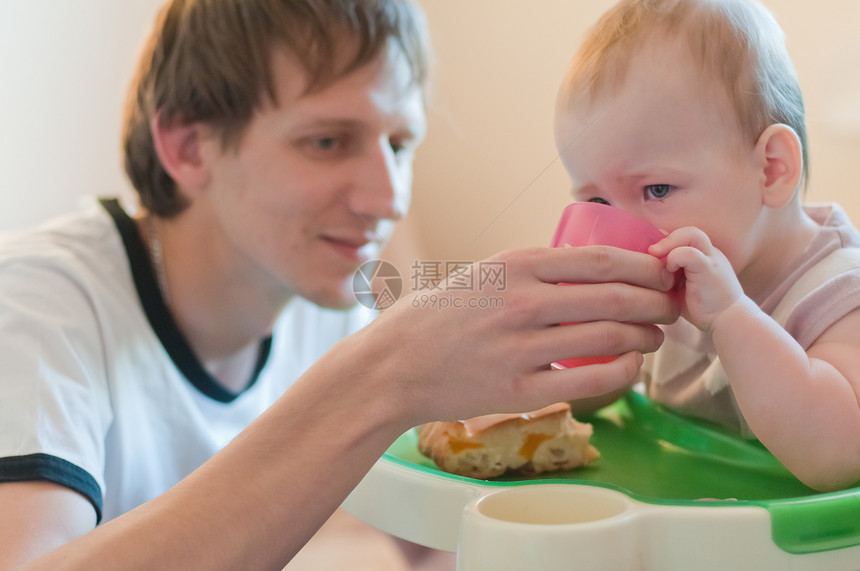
pixel 85 232
pixel 80 251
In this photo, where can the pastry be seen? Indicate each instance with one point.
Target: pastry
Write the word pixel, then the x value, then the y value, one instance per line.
pixel 530 443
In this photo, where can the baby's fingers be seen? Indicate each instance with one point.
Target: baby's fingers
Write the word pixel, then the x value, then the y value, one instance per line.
pixel 692 260
pixel 688 236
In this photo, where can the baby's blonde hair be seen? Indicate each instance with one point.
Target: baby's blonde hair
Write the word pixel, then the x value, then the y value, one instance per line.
pixel 738 43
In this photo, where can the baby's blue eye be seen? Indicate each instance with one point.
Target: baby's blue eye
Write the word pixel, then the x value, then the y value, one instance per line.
pixel 658 190
pixel 599 201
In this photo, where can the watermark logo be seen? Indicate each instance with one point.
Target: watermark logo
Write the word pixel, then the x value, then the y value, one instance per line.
pixel 458 275
pixel 377 284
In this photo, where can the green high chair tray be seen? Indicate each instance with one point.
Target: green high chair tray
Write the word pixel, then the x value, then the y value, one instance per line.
pixel 691 475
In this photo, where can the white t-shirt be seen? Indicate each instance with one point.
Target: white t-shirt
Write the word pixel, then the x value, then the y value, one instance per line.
pixel 100 391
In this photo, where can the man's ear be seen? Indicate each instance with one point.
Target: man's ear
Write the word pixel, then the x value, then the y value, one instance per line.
pixel 779 155
pixel 178 146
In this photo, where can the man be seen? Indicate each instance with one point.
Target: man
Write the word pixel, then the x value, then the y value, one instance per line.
pixel 156 378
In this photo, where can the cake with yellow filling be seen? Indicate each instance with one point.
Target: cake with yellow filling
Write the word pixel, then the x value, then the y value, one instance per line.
pixel 544 440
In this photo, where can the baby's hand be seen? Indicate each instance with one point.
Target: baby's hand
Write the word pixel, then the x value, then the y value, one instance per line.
pixel 710 284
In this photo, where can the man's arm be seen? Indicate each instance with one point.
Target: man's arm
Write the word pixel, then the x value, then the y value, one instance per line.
pixel 256 502
pixel 38 517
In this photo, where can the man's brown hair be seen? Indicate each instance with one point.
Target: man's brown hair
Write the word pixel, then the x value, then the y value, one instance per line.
pixel 208 61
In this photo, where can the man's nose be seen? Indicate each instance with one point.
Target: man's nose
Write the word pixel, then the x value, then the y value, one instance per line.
pixel 383 184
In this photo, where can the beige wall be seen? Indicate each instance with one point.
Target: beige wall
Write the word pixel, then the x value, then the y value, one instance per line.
pixel 64 66
pixel 488 177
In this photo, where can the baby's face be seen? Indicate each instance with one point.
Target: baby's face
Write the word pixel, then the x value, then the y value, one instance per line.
pixel 667 148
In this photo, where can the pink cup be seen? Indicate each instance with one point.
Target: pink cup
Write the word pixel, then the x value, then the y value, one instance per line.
pixel 590 224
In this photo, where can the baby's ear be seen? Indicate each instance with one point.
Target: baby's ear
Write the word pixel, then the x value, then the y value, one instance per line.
pixel 778 153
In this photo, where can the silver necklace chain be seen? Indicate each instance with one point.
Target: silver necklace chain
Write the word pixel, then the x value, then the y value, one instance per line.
pixel 157 258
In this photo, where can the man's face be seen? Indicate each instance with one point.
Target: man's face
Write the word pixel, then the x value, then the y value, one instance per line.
pixel 667 148
pixel 317 181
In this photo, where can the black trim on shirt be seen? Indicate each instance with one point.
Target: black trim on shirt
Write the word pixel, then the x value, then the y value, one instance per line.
pixel 161 319
pixel 47 468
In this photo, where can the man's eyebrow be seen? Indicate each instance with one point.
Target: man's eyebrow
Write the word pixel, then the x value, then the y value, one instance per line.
pixel 341 124
pixel 328 122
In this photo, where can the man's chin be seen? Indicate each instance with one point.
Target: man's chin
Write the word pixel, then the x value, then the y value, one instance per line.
pixel 339 299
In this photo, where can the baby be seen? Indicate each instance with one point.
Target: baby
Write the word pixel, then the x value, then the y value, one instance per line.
pixel 688 113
